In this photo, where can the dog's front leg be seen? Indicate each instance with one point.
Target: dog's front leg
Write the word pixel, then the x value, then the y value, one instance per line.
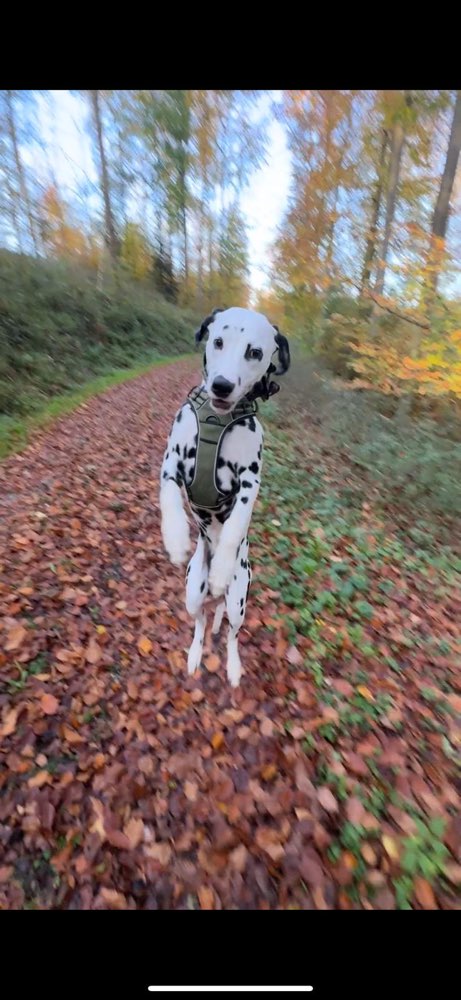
pixel 174 522
pixel 233 535
pixel 196 591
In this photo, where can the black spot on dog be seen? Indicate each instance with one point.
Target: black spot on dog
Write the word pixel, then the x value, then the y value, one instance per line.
pixel 221 462
pixel 226 327
pixel 254 467
pixel 243 563
pixel 245 484
pixel 179 417
pixel 242 468
pixel 165 475
pixel 177 449
pixel 244 499
pixel 202 587
pixel 235 577
pixel 248 421
pixel 167 454
pixel 181 468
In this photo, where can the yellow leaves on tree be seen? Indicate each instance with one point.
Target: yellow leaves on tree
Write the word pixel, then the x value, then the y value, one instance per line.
pixel 60 237
pixel 135 252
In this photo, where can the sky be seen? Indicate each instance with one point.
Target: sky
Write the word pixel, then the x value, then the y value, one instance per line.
pixel 68 152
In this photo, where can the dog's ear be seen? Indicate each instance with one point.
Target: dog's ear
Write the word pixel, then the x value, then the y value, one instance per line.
pixel 203 328
pixel 284 352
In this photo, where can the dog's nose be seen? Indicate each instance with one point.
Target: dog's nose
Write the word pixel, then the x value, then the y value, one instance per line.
pixel 222 387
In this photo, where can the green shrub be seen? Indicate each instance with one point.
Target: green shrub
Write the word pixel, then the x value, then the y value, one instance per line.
pixel 57 330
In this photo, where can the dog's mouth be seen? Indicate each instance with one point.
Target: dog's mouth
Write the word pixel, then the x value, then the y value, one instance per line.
pixel 221 405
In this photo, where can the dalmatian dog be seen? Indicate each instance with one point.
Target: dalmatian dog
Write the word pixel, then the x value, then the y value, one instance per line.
pixel 238 362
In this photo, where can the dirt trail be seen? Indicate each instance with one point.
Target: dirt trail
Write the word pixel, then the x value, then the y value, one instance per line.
pixel 123 784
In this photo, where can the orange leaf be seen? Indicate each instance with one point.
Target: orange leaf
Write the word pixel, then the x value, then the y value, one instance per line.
pixel 365 692
pixel 144 645
pixel 118 839
pixel 113 899
pixel 16 637
pixel 269 772
pixel 132 690
pixel 49 703
pixel 327 799
pixel 391 847
pixel 40 779
pixel 425 894
pixel 70 735
pixel 217 740
pixel 93 652
pixel 212 663
pixel 267 727
pixel 190 790
pixel 206 897
pixel 134 830
pixel 9 724
pixel 161 852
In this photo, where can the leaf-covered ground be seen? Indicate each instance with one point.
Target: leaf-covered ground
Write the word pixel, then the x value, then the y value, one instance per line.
pixel 329 780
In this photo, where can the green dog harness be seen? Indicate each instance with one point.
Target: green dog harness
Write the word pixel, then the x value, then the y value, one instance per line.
pixel 203 491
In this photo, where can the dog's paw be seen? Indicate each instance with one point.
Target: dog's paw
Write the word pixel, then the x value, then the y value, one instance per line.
pixel 178 557
pixel 234 670
pixel 178 546
pixel 194 658
pixel 219 576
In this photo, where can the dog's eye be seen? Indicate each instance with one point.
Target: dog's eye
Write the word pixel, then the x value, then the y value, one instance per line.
pixel 218 343
pixel 253 353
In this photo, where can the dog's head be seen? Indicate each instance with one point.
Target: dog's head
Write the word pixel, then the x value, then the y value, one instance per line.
pixel 239 352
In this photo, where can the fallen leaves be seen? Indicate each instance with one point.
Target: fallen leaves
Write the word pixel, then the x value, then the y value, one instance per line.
pixel 49 704
pixel 327 800
pixel 150 789
pixel 391 847
pixel 15 638
pixel 9 725
pixel 294 657
pixel 365 693
pixel 144 645
pixel 424 894
pixel 212 663
pixel 217 740
pixel 93 652
pixel 39 779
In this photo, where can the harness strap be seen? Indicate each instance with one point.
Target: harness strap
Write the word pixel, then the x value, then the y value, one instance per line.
pixel 203 491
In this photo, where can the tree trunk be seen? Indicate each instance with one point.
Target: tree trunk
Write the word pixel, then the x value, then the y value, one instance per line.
pixel 375 210
pixel 11 124
pixel 183 212
pixel 110 234
pixel 395 162
pixel 442 206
